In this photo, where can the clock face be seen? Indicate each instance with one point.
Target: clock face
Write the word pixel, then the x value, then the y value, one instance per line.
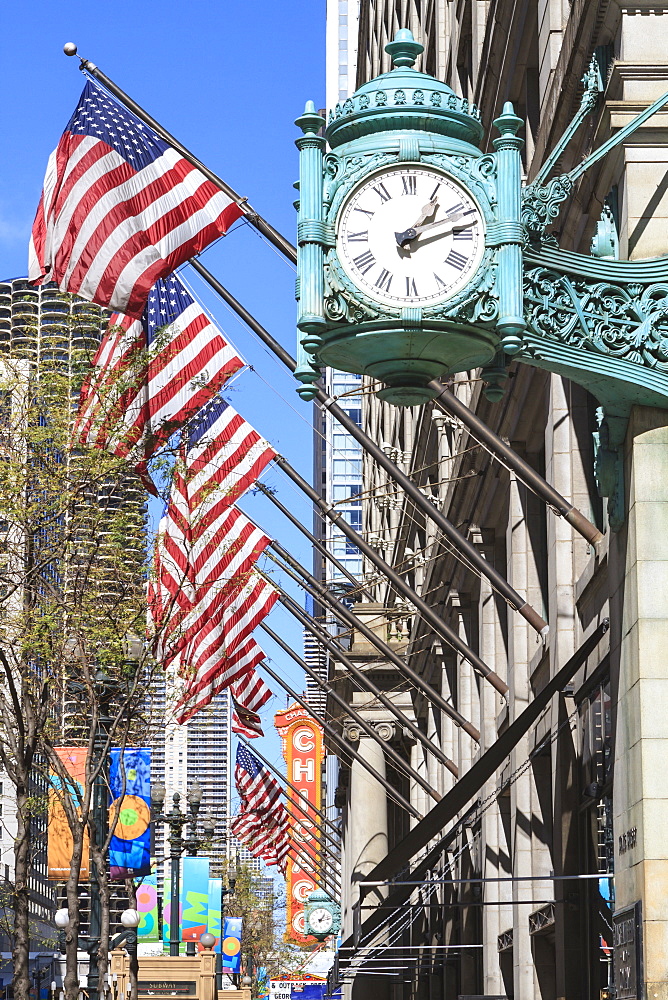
pixel 410 236
pixel 320 920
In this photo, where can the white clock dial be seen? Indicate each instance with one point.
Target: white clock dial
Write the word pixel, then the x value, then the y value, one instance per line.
pixel 320 920
pixel 410 236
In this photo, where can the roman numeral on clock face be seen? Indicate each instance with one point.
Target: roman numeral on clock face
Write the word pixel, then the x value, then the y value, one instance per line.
pixel 463 235
pixel 365 211
pixel 411 287
pixel 454 209
pixel 440 282
pixel 362 237
pixel 382 192
pixel 456 260
pixel 384 280
pixel 365 261
pixel 409 184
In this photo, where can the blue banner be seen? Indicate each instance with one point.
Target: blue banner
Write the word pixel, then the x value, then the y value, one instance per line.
pixel 232 944
pixel 130 800
pixel 194 898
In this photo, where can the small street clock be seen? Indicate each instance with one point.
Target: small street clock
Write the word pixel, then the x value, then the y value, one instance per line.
pixel 410 236
pixel 322 915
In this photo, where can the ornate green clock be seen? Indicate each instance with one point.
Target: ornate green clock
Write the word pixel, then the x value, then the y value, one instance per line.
pixel 322 916
pixel 418 255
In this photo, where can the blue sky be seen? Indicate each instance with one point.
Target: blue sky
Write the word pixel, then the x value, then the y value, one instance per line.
pixel 228 79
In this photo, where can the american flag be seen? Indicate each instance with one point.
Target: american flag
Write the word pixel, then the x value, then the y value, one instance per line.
pixel 237 664
pixel 263 824
pixel 249 695
pixel 152 375
pixel 120 208
pixel 206 656
pixel 221 458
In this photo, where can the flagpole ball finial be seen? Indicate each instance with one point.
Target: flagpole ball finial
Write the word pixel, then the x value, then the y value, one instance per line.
pixel 70 49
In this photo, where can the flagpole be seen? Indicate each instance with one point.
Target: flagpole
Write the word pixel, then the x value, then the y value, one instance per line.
pixel 255 219
pixel 331 732
pixel 425 506
pixel 318 590
pixel 362 679
pixel 398 761
pixel 316 872
pixel 440 627
pixel 287 781
pixel 314 541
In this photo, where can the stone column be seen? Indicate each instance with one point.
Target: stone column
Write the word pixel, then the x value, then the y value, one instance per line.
pixel 639 562
pixel 367 828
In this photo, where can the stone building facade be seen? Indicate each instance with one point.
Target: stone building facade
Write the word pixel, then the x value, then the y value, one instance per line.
pixel 553 881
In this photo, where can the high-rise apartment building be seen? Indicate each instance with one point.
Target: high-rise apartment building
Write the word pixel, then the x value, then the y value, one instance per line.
pixel 549 882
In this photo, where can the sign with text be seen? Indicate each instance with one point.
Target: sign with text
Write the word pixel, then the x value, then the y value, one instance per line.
pixel 627 951
pixel 303 750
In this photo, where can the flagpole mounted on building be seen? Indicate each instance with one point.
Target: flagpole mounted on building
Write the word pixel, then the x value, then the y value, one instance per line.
pixel 249 213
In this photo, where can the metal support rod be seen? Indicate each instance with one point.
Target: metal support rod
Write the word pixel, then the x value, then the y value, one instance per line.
pixel 331 642
pixel 322 549
pixel 363 680
pixel 334 888
pixel 399 858
pixel 441 628
pixel 448 402
pixel 316 588
pixel 331 732
pixel 421 502
pixel 398 761
pixel 321 846
pixel 256 220
pixel 293 788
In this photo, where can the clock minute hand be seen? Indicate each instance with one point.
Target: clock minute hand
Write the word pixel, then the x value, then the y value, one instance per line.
pixel 410 234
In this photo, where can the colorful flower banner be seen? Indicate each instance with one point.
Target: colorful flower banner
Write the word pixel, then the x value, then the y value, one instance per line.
pixel 130 799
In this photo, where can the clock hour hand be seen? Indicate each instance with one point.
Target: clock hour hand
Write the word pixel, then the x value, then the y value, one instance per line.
pixel 427 210
pixel 410 234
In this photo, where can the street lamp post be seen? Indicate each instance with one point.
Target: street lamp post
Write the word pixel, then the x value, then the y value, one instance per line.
pixel 130 920
pixel 175 820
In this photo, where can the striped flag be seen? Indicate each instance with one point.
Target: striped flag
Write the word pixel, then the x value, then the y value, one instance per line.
pixel 263 824
pixel 207 656
pixel 237 664
pixel 150 376
pixel 249 695
pixel 120 208
pixel 220 459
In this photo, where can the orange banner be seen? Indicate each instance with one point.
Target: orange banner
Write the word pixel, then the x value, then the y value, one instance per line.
pixel 60 844
pixel 303 750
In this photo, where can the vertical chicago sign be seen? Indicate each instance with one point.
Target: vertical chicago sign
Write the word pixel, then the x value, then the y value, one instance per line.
pixel 303 750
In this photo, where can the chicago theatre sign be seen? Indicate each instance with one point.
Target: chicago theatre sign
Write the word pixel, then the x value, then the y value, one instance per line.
pixel 302 744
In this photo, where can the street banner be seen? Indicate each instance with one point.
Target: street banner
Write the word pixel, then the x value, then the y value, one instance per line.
pixel 194 898
pixel 303 750
pixel 232 944
pixel 214 917
pixel 60 843
pixel 147 907
pixel 130 798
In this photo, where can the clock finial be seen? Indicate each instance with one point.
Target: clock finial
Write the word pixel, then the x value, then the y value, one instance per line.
pixel 404 50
